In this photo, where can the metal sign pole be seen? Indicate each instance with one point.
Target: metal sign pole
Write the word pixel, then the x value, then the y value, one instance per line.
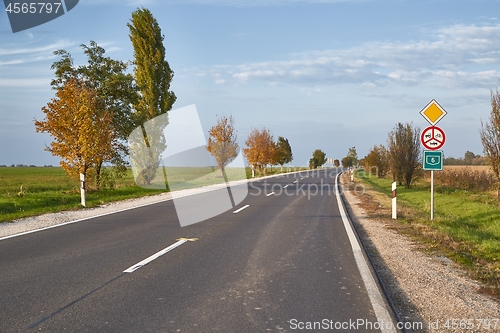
pixel 432 195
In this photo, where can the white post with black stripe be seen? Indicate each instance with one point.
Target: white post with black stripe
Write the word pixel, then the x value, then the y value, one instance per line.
pixel 82 189
pixel 394 202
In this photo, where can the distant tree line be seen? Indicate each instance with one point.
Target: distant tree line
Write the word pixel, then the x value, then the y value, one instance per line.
pixel 469 159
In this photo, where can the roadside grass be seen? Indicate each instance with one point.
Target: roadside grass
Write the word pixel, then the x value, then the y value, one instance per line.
pixel 465 228
pixel 50 189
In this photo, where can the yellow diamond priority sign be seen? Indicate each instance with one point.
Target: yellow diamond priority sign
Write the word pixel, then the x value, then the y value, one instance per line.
pixel 433 112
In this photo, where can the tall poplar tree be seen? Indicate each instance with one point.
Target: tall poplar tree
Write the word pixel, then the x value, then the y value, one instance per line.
pixel 152 75
pixel 151 71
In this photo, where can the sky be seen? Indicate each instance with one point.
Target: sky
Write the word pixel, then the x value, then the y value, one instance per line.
pixel 325 74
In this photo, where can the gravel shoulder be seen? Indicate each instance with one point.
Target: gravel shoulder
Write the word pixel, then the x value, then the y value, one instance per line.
pixel 426 289
pixel 50 220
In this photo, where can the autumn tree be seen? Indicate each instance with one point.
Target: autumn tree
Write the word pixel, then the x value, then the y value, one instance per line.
pixel 274 155
pixel 81 128
pixel 283 152
pixel 222 142
pixel 153 75
pixel 260 148
pixel 404 153
pixel 377 161
pixel 336 162
pixel 318 159
pixel 113 88
pixel 490 138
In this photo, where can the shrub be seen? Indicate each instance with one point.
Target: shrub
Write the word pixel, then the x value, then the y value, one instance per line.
pixel 466 178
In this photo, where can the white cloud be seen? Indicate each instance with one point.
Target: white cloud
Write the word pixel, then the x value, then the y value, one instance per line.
pixel 17 55
pixel 37 49
pixel 24 82
pixel 459 52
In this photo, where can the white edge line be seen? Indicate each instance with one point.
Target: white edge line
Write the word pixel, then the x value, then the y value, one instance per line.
pixel 269 194
pixel 139 206
pixel 239 210
pixel 154 256
pixel 376 298
pixel 80 220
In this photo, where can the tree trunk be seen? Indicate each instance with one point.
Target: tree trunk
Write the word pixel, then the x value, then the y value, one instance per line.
pixel 498 195
pixel 98 175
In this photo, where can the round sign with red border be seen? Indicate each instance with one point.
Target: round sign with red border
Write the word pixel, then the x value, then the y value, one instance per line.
pixel 433 138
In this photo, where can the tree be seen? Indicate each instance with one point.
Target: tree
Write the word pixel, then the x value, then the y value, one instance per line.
pixel 222 142
pixel 336 162
pixel 153 76
pixel 353 155
pixel 377 161
pixel 283 152
pixel 83 136
pixel 318 159
pixel 274 155
pixel 152 72
pixel 260 148
pixel 113 88
pixel 347 162
pixel 404 153
pixel 469 157
pixel 490 138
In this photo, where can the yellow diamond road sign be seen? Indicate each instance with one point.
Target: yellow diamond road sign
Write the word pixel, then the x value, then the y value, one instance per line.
pixel 433 112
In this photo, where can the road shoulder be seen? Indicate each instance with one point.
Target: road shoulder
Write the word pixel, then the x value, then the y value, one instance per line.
pixel 427 289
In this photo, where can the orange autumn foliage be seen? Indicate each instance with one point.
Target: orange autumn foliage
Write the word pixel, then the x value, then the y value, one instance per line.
pixel 81 129
pixel 261 149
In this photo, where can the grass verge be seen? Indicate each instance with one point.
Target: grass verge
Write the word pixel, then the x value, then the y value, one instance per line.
pixel 50 189
pixel 465 228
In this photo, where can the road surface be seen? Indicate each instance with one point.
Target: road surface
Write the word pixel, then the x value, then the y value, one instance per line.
pixel 281 261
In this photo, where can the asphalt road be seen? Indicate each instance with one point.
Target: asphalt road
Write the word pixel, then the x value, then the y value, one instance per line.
pixel 279 265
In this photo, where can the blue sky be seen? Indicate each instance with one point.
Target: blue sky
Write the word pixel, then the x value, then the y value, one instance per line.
pixel 326 74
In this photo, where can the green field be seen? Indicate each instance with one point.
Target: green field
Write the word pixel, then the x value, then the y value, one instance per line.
pixel 50 189
pixel 466 225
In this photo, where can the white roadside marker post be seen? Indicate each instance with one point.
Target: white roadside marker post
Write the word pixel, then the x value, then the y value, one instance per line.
pixel 82 189
pixel 394 202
